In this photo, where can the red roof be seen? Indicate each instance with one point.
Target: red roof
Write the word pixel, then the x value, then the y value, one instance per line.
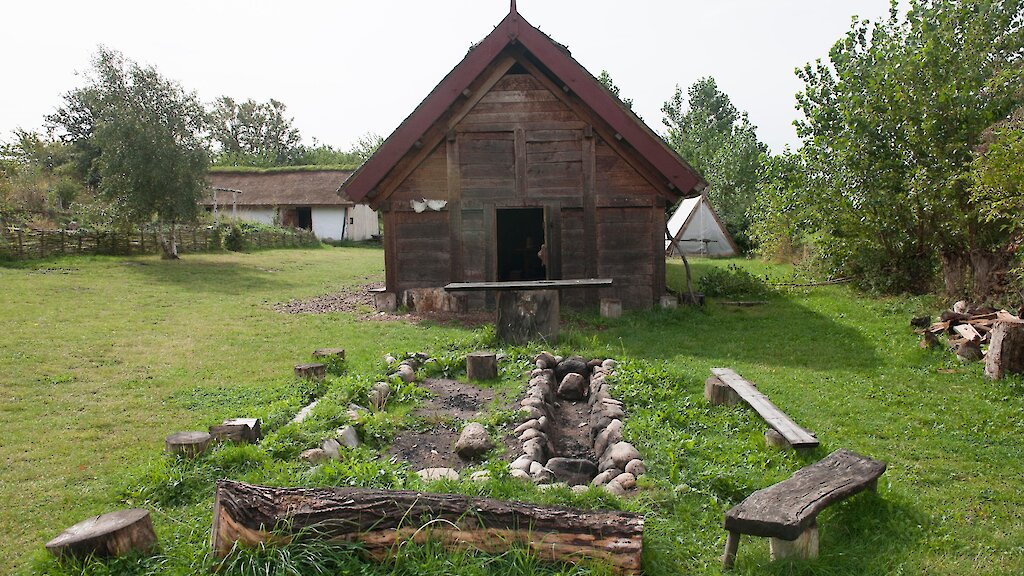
pixel 514 29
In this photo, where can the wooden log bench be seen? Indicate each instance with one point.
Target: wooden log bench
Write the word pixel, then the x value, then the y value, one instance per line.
pixel 787 512
pixel 528 309
pixel 793 434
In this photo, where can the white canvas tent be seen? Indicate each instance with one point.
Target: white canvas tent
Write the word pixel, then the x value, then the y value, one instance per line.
pixel 698 231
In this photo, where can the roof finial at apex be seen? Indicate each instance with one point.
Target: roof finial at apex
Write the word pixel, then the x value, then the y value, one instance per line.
pixel 512 10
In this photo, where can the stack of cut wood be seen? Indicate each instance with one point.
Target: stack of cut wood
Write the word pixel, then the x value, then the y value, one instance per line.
pixel 967 329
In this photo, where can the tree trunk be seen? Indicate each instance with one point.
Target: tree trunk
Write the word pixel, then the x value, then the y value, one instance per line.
pixel 988 268
pixel 528 315
pixel 954 274
pixel 169 243
pixel 382 520
pixel 1006 352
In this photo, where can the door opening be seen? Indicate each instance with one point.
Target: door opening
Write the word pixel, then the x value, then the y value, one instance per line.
pixel 304 217
pixel 520 238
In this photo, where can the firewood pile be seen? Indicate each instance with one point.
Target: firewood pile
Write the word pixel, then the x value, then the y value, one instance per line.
pixel 968 330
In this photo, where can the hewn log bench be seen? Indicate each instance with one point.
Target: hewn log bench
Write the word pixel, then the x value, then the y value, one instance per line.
pixel 787 512
pixel 794 435
pixel 528 309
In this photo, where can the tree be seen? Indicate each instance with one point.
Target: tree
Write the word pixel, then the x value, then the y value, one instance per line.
pixel 889 127
pixel 253 133
pixel 719 141
pixel 151 158
pixel 606 80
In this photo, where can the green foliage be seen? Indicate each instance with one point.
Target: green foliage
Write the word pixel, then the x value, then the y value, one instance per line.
pixel 234 240
pixel 720 142
pixel 606 80
pixel 889 126
pixel 151 160
pixel 253 133
pixel 731 281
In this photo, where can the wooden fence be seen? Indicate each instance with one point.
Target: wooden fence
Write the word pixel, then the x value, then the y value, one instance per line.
pixel 27 244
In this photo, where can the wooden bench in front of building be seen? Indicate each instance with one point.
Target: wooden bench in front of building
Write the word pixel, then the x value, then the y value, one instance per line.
pixel 787 512
pixel 528 309
pixel 794 435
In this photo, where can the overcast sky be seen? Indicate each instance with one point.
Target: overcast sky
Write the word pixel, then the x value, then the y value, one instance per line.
pixel 345 68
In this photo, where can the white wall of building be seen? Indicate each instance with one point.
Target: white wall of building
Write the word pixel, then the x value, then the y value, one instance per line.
pixel 328 222
pixel 362 223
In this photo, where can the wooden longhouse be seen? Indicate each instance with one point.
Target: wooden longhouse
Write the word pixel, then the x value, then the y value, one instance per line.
pixel 519 148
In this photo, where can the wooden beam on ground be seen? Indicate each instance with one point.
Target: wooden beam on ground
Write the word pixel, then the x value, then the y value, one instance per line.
pixel 777 419
pixel 381 520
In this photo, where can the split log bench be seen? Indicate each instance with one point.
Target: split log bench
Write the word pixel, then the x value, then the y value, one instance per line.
pixel 720 388
pixel 528 309
pixel 787 512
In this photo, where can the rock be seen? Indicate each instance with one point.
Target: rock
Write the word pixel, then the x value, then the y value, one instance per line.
pixel 605 477
pixel 378 395
pixel 609 436
pixel 389 359
pixel 614 488
pixel 626 480
pixel 332 448
pixel 960 307
pixel 594 363
pixel 573 471
pixel 531 401
pixel 526 426
pixel 534 450
pixel 573 364
pixel 542 423
pixel 573 386
pixel 520 475
pixel 554 486
pixel 775 440
pixel 532 433
pixel 609 401
pixel 612 411
pixel 521 463
pixel 609 364
pixel 545 361
pixel 597 425
pixel 431 474
pixel 480 476
pixel 474 441
pixel 355 411
pixel 532 412
pixel 579 489
pixel 636 467
pixel 558 359
pixel 348 437
pixel 535 468
pixel 406 373
pixel 621 453
pixel 313 455
pixel 543 476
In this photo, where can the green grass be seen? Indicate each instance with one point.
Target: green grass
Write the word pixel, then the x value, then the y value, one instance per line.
pixel 103 357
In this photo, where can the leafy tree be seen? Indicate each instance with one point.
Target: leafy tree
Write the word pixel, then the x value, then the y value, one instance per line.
pixel 721 143
pixel 889 126
pixel 366 146
pixel 251 133
pixel 36 174
pixel 152 161
pixel 606 80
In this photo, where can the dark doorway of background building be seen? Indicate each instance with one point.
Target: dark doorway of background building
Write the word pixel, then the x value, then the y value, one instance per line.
pixel 520 236
pixel 304 218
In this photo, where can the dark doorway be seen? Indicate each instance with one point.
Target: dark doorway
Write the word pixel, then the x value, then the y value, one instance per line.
pixel 304 218
pixel 520 237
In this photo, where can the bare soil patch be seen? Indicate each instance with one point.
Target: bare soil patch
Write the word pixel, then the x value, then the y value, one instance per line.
pixel 570 430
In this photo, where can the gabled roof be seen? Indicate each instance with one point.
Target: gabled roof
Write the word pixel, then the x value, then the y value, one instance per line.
pixel 680 179
pixel 281 187
pixel 695 220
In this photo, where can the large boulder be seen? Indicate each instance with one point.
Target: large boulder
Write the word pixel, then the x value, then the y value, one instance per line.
pixel 572 471
pixel 473 442
pixel 573 387
pixel 618 455
pixel 572 364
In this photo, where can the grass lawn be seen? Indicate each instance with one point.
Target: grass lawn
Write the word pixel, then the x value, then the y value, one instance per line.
pixel 103 357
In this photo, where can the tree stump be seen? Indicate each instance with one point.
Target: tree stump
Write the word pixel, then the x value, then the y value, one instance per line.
pixel 239 430
pixel 187 444
pixel 385 302
pixel 669 302
pixel 312 371
pixel 717 393
pixel 611 308
pixel 804 547
pixel 775 440
pixel 329 353
pixel 381 520
pixel 481 366
pixel 112 534
pixel 1006 350
pixel 528 315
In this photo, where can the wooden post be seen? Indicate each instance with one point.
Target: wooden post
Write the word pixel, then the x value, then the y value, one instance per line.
pixel 611 307
pixel 238 430
pixel 717 393
pixel 1006 350
pixel 112 534
pixel 385 301
pixel 481 366
pixel 187 444
pixel 528 315
pixel 329 353
pixel 732 544
pixel 312 371
pixel 804 547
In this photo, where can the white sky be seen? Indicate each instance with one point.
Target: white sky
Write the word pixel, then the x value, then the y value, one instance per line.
pixel 345 68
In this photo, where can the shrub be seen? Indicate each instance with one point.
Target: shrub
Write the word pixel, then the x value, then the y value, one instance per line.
pixel 731 281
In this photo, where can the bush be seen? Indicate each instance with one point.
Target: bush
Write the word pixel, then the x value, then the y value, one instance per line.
pixel 235 240
pixel 731 281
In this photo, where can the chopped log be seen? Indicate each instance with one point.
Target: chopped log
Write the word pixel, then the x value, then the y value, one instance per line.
pixel 929 340
pixel 238 430
pixel 112 534
pixel 804 547
pixel 967 331
pixel 338 353
pixel 969 351
pixel 717 393
pixel 385 301
pixel 920 321
pixel 528 315
pixel 939 327
pixel 1006 350
pixel 187 444
pixel 481 366
pixel 311 370
pixel 381 520
pixel 611 308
